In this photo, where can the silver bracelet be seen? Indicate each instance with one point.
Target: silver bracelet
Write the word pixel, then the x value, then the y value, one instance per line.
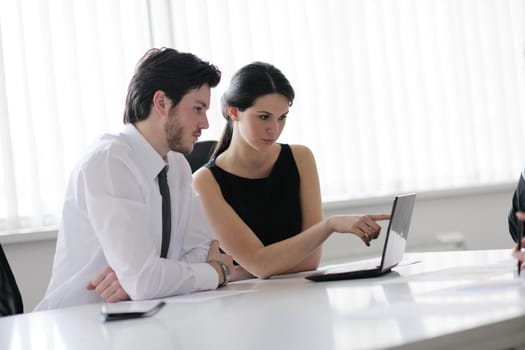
pixel 225 272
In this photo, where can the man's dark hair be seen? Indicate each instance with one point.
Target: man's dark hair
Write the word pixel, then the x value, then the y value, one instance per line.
pixel 176 73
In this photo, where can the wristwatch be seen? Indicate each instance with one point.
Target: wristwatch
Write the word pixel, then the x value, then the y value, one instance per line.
pixel 225 272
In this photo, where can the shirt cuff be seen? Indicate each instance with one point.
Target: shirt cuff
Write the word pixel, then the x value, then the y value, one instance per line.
pixel 206 276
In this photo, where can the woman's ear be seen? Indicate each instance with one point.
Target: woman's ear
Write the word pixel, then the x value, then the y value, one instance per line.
pixel 233 112
pixel 161 102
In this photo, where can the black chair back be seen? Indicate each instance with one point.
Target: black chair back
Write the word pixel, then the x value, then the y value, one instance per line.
pixel 10 298
pixel 201 154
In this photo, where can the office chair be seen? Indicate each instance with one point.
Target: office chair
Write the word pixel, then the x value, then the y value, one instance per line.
pixel 10 298
pixel 201 153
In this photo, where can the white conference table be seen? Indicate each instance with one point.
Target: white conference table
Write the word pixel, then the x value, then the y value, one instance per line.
pixel 437 300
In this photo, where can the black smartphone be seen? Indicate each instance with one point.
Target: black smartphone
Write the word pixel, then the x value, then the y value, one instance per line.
pixel 129 310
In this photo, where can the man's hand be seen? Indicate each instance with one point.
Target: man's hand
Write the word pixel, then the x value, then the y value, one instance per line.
pixel 108 286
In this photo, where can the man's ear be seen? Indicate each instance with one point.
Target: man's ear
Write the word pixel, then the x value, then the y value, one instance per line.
pixel 161 102
pixel 233 112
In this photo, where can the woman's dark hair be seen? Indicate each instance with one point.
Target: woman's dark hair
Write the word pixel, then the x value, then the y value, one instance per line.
pixel 249 83
pixel 174 72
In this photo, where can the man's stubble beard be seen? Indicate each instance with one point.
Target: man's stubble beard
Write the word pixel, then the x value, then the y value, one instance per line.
pixel 175 135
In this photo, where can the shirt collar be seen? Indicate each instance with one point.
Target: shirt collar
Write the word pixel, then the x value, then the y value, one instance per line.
pixel 146 155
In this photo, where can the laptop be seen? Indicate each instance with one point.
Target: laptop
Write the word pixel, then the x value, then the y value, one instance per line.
pixel 393 250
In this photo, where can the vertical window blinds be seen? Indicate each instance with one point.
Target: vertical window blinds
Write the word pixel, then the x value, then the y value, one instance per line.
pixel 392 95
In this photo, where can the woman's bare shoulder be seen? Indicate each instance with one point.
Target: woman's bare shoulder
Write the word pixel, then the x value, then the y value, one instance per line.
pixel 302 153
pixel 203 177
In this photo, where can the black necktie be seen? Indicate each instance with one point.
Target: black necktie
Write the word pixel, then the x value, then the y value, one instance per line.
pixel 166 211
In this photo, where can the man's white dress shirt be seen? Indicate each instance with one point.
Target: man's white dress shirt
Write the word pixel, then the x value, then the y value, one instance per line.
pixel 112 216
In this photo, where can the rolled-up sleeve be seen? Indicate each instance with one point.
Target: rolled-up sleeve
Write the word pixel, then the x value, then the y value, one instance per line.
pixel 124 215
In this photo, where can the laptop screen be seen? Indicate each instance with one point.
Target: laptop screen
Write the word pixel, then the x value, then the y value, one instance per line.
pixel 397 232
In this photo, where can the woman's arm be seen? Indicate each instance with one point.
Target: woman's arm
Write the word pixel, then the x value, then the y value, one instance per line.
pixel 310 197
pixel 297 253
pixel 239 241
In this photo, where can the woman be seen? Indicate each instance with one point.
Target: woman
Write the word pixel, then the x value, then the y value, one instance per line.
pixel 263 198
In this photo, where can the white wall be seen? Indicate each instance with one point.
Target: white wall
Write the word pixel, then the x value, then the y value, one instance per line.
pixel 479 215
pixel 473 218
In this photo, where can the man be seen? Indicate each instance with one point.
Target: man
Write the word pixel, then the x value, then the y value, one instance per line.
pixel 111 245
